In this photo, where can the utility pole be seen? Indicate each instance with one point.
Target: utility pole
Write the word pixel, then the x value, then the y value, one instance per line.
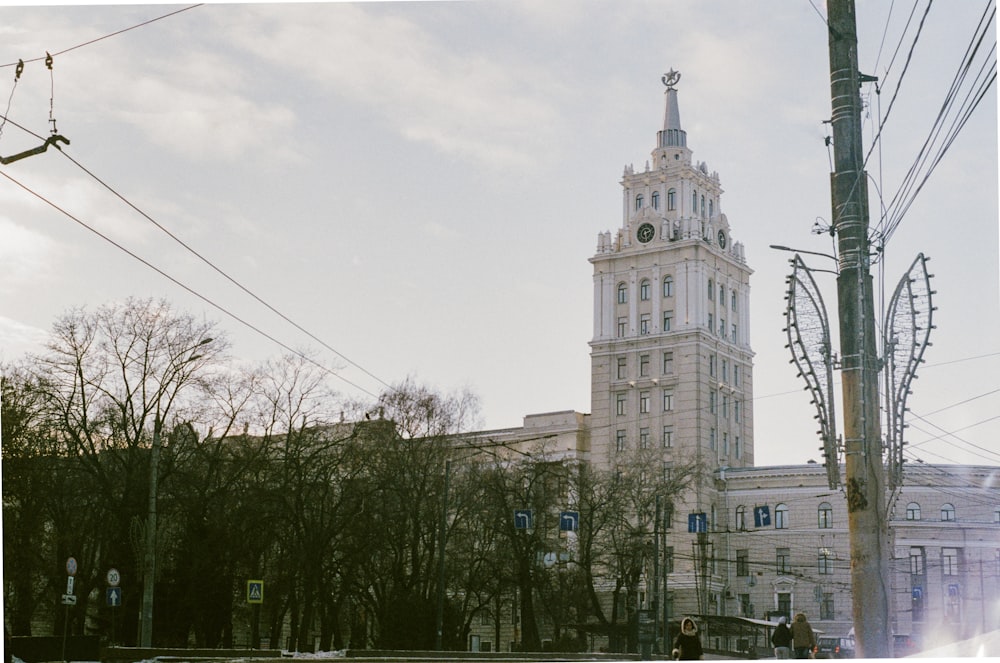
pixel 865 480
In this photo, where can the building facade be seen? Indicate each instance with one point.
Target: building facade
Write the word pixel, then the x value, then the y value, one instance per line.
pixel 672 378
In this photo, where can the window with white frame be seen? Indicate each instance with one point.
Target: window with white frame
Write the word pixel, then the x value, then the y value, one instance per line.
pixel 825 515
pixel 668 286
pixel 638 202
pixel 668 400
pixel 655 200
pixel 916 561
pixel 741 518
pixel 711 323
pixel 825 561
pixel 622 326
pixel 826 610
pixel 711 439
pixel 644 320
pixel 671 199
pixel 643 365
pixel 622 368
pixel 643 402
pixel 711 290
pixel 643 438
pixel 668 437
pixel 949 561
pixel 737 447
pixel 620 404
pixel 668 363
pixel 947 512
pixel 783 561
pixel 622 293
pixel 619 440
pixel 668 321
pixel 913 511
pixel 644 290
pixel 781 516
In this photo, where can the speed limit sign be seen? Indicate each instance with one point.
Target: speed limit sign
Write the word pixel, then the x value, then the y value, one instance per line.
pixel 114 577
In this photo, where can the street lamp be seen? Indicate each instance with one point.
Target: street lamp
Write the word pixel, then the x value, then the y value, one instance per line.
pixel 146 633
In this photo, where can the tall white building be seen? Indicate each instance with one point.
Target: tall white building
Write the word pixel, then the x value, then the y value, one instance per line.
pixel 671 361
pixel 672 379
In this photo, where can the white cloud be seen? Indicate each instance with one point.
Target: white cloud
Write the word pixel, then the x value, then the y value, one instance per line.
pixel 463 104
pixel 27 256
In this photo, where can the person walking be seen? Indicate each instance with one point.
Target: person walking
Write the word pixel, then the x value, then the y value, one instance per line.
pixel 782 639
pixel 803 638
pixel 687 646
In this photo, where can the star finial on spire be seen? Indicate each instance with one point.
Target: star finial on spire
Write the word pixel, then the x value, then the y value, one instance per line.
pixel 670 78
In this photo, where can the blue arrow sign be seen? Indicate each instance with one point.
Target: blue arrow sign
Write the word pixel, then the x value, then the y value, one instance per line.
pixel 697 522
pixel 522 519
pixel 762 516
pixel 569 521
pixel 114 595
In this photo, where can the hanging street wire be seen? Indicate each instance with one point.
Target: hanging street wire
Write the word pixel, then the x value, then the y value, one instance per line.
pixel 107 36
pixel 185 287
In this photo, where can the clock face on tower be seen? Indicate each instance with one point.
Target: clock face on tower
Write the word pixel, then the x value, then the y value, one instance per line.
pixel 646 233
pixel 722 239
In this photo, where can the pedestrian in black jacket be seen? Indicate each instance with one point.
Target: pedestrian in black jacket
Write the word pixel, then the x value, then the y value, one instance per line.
pixel 782 639
pixel 687 646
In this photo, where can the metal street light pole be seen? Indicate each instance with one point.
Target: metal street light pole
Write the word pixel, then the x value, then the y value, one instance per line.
pixel 149 570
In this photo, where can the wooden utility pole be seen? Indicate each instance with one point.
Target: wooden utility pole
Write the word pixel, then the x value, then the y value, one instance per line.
pixel 865 481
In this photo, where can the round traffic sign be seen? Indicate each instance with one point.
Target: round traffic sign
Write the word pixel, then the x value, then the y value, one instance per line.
pixel 114 577
pixel 71 566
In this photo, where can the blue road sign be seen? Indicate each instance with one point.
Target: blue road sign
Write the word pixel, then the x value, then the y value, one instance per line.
pixel 255 591
pixel 522 519
pixel 569 521
pixel 114 595
pixel 762 516
pixel 697 522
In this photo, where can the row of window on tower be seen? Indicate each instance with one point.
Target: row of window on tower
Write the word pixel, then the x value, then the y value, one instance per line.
pixel 645 292
pixel 717 368
pixel 706 208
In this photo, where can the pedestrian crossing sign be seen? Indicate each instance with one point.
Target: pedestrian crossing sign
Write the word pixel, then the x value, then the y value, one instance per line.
pixel 255 591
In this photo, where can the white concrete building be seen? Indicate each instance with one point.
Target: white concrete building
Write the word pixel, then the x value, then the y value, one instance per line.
pixel 672 374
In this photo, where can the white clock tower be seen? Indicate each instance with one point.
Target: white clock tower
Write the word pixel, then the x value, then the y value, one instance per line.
pixel 672 367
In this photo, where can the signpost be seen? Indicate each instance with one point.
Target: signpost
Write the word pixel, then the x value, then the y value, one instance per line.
pixel 68 598
pixel 255 591
pixel 522 519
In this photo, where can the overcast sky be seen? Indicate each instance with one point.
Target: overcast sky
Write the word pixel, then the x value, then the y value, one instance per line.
pixel 420 184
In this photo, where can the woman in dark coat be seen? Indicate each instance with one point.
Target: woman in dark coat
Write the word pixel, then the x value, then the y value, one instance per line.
pixel 687 646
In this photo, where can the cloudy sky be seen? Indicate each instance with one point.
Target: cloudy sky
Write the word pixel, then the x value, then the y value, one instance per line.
pixel 419 185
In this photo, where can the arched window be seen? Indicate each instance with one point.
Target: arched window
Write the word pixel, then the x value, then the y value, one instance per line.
pixel 655 200
pixel 668 286
pixel 694 203
pixel 622 293
pixel 913 511
pixel 741 518
pixel 671 200
pixel 703 207
pixel 781 516
pixel 711 290
pixel 947 512
pixel 638 202
pixel 710 206
pixel 825 515
pixel 644 290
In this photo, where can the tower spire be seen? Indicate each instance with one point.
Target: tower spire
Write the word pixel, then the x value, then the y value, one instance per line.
pixel 672 135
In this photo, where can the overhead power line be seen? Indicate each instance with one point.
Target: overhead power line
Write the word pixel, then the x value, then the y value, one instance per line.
pixel 107 36
pixel 189 289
